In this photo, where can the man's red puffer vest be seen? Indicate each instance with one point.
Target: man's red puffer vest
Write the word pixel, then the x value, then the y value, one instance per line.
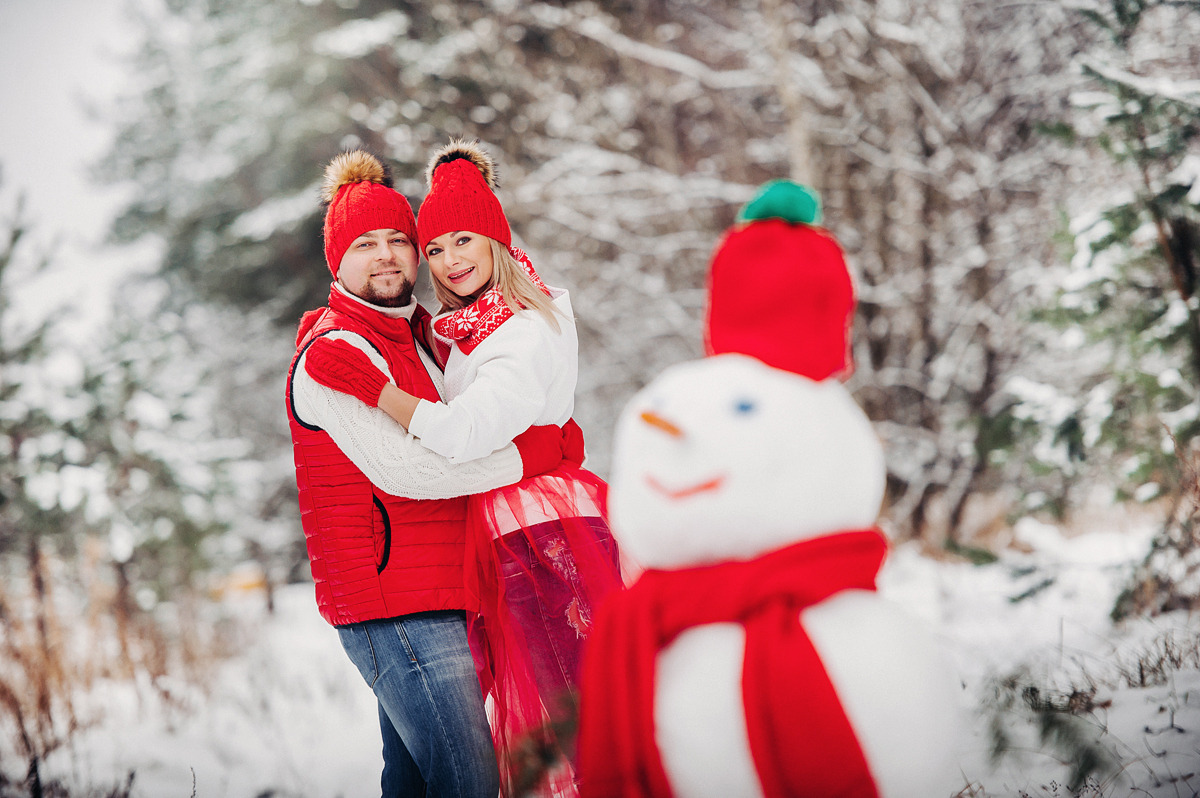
pixel 372 555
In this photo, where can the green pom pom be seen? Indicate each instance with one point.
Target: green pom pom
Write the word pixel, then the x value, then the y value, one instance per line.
pixel 783 199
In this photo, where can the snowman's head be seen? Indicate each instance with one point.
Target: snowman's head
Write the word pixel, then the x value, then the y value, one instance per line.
pixel 727 458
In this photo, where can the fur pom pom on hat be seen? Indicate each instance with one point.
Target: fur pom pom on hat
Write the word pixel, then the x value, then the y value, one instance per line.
pixel 359 197
pixel 779 289
pixel 462 183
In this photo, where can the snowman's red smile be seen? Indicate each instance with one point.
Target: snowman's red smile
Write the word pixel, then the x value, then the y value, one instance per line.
pixel 687 492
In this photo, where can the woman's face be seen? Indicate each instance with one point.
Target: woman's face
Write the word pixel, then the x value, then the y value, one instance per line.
pixel 461 261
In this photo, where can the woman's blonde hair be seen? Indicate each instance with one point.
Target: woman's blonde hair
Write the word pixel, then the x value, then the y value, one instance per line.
pixel 515 287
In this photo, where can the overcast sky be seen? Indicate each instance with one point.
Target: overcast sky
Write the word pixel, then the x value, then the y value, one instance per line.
pixel 56 56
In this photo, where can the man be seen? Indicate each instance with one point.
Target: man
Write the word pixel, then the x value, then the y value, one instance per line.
pixel 388 570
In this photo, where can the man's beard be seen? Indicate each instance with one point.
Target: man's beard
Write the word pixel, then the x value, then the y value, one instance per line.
pixel 399 300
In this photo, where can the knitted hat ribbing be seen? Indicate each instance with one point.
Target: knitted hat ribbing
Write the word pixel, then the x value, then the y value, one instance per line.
pixel 360 198
pixel 462 179
pixel 779 287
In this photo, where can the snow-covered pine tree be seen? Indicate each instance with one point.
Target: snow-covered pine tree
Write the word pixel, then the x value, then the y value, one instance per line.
pixel 82 496
pixel 1133 287
pixel 1138 253
pixel 114 450
pixel 230 110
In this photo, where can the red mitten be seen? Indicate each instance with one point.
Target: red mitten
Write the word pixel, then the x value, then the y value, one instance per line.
pixel 572 443
pixel 541 449
pixel 346 368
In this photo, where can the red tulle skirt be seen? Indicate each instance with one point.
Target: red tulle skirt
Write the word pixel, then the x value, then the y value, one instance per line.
pixel 539 560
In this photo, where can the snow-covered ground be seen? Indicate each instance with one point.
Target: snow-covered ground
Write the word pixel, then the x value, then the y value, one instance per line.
pixel 1042 611
pixel 289 716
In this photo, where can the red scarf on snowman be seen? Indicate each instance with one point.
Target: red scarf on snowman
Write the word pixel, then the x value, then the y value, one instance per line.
pixel 783 677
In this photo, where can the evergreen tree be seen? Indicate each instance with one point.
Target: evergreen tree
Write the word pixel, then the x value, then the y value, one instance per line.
pixel 1133 287
pixel 33 512
pixel 112 441
pixel 59 489
pixel 1129 302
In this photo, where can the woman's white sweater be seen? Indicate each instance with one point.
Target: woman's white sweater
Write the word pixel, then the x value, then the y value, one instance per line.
pixel 521 375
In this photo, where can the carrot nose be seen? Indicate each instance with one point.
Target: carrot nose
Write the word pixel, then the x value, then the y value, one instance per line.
pixel 658 422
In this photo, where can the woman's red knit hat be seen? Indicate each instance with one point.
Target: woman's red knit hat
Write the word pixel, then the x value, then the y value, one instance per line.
pixel 462 182
pixel 360 198
pixel 779 289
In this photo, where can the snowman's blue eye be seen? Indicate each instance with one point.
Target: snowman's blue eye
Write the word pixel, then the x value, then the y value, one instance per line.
pixel 744 406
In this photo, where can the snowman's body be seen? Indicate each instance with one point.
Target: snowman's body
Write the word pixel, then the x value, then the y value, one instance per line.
pixel 894 691
pixel 727 459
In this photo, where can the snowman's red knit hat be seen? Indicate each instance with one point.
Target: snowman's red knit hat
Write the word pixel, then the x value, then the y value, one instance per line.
pixel 359 198
pixel 462 182
pixel 779 287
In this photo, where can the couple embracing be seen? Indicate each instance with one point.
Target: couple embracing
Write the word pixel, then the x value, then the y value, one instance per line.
pixel 456 542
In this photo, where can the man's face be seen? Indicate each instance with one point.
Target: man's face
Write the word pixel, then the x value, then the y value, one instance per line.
pixel 380 267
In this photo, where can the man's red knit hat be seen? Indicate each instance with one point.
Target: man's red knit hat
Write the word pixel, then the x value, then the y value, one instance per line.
pixel 779 287
pixel 360 198
pixel 462 182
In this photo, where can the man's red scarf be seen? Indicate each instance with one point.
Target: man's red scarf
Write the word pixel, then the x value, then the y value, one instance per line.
pixel 469 326
pixel 800 738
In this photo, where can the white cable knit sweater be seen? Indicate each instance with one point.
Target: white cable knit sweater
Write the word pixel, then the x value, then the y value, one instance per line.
pixel 392 458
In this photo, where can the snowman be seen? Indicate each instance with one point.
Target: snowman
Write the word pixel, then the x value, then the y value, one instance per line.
pixel 753 657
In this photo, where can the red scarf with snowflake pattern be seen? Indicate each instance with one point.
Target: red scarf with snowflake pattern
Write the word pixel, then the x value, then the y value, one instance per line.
pixel 469 326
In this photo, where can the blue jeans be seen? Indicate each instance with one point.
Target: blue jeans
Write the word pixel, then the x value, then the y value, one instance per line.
pixel 436 739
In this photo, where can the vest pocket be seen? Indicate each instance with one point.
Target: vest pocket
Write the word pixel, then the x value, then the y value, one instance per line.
pixel 383 535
